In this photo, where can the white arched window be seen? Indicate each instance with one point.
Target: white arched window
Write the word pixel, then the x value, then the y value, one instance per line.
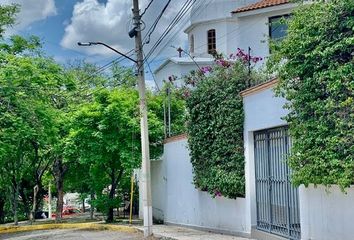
pixel 191 44
pixel 211 41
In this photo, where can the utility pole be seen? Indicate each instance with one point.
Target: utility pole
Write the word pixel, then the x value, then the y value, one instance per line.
pixel 49 202
pixel 146 177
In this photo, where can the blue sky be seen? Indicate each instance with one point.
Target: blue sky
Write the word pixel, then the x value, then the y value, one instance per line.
pixel 62 23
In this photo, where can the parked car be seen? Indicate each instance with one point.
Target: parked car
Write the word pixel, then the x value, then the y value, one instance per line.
pixel 41 215
pixel 68 210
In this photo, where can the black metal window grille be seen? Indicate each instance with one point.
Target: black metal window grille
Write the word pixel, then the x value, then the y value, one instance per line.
pixel 277 200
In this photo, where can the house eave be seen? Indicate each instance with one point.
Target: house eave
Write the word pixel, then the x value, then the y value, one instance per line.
pixel 198 61
pixel 284 7
pixel 193 25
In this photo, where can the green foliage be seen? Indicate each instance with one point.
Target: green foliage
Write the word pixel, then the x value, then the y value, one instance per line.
pixel 122 77
pixel 104 140
pixel 316 75
pixel 215 128
pixel 18 44
pixel 30 89
pixel 7 16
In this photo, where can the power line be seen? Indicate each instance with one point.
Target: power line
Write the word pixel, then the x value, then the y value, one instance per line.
pixel 153 76
pixel 182 12
pixel 147 7
pixel 173 23
pixel 153 26
pixel 108 65
pixel 198 8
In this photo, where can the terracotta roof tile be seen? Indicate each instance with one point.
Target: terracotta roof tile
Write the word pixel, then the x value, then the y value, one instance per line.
pixel 261 4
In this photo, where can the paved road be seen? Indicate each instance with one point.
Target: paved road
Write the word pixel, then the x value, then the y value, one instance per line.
pixel 72 234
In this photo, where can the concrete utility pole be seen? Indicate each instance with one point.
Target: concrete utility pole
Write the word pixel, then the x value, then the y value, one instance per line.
pixel 146 177
pixel 49 202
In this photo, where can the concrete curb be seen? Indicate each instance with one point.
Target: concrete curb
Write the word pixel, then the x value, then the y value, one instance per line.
pixel 86 226
pixel 154 235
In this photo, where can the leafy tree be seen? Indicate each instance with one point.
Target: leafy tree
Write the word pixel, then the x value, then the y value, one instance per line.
pixel 102 137
pixel 30 88
pixel 105 138
pixel 7 16
pixel 315 66
pixel 122 77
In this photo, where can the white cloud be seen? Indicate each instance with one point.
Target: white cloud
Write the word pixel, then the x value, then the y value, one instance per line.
pixel 31 11
pixel 110 22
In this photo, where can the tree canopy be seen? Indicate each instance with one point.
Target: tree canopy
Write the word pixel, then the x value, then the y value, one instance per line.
pixel 315 65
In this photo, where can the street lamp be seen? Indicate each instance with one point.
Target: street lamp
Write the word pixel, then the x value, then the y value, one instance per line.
pixel 145 150
pixel 87 44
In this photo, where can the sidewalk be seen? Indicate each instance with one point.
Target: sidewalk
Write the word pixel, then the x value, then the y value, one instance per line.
pixel 182 233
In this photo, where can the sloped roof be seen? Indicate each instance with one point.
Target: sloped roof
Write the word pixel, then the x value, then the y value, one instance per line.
pixel 261 4
pixel 185 60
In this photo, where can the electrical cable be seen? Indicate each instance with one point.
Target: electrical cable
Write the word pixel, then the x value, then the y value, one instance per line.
pixel 153 76
pixel 185 8
pixel 153 26
pixel 198 8
pixel 147 7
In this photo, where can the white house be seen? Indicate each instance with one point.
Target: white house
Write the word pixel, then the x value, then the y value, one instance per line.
pixel 224 26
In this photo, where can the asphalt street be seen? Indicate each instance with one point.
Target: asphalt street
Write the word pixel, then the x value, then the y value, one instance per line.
pixel 72 234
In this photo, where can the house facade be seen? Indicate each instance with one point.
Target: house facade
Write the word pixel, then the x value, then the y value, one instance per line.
pixel 222 26
pixel 272 207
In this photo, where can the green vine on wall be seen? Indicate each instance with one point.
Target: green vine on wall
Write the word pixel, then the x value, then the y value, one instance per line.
pixel 215 125
pixel 315 64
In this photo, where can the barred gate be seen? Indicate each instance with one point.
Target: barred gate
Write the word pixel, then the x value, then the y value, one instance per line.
pixel 277 200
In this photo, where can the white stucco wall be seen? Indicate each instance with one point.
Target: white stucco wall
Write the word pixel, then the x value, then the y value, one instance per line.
pixel 326 213
pixel 215 9
pixel 184 204
pixel 168 70
pixel 158 190
pixel 262 110
pixel 249 29
pixel 200 33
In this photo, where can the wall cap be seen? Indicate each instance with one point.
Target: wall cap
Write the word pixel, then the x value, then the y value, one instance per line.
pixel 260 87
pixel 176 138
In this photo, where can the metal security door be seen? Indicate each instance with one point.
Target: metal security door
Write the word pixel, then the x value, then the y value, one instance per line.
pixel 277 199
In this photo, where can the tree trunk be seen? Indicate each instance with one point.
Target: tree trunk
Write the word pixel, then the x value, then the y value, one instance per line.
pixel 92 209
pixel 15 204
pixel 26 202
pixel 114 184
pixel 34 203
pixel 60 201
pixel 110 216
pixel 59 172
pixel 2 211
pixel 83 205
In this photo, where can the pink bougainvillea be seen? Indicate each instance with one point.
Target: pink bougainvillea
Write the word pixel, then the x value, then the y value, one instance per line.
pixel 206 69
pixel 217 194
pixel 240 54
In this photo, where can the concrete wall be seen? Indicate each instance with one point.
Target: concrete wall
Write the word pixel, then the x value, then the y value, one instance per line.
pixel 262 110
pixel 184 204
pixel 158 190
pixel 326 213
